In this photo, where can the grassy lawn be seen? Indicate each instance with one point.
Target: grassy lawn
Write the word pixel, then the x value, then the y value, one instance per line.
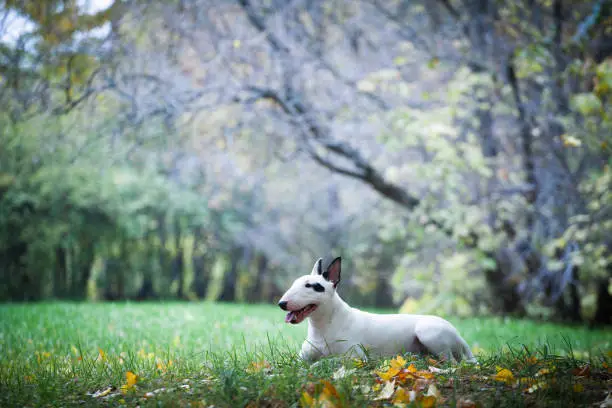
pixel 228 355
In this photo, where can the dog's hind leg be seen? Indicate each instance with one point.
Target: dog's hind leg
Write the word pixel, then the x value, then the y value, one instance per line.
pixel 440 338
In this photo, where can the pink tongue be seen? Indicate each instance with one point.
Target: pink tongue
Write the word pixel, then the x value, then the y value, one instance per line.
pixel 290 316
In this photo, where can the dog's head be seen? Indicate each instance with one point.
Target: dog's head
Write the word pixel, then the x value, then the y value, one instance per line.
pixel 310 291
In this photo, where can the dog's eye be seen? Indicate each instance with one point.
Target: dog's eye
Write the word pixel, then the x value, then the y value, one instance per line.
pixel 318 287
pixel 308 285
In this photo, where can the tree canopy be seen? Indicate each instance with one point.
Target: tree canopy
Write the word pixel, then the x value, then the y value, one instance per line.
pixel 456 153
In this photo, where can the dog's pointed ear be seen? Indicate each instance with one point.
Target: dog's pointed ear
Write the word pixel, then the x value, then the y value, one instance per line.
pixel 317 269
pixel 332 273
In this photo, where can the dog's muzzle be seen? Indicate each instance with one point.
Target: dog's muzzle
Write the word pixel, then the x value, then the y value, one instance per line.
pixel 283 304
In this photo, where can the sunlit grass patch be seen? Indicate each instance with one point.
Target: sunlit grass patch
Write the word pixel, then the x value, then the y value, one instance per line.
pixel 240 355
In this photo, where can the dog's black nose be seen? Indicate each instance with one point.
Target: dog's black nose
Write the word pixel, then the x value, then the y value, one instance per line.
pixel 283 304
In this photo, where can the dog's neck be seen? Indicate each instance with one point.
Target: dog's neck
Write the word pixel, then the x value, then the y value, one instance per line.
pixel 328 315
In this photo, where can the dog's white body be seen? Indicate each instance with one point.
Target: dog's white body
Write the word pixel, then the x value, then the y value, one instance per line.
pixel 336 328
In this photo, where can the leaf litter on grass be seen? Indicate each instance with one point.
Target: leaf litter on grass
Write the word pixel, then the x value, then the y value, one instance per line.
pixel 72 364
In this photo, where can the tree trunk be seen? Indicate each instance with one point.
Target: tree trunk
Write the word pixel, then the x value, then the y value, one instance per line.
pixel 383 295
pixel 505 298
pixel 256 291
pixel 228 292
pixel 86 259
pixel 200 265
pixel 178 272
pixel 59 277
pixel 603 313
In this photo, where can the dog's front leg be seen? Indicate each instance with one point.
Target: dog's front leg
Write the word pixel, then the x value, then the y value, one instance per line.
pixel 310 352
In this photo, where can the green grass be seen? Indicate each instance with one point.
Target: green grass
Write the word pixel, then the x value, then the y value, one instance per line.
pixel 50 355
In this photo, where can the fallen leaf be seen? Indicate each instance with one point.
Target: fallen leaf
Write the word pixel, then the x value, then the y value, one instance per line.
pixel 531 360
pixel 578 388
pixel 329 389
pixel 342 372
pixel 420 385
pixel 428 401
pixel 306 400
pixel 584 371
pixel 389 374
pixel 101 355
pixel 104 392
pixel 542 371
pixel 387 391
pixel 403 396
pixel 131 380
pixel 398 362
pixel 504 375
pixel 425 374
pixel 433 391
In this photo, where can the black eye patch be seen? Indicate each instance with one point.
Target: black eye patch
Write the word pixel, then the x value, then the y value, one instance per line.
pixel 317 287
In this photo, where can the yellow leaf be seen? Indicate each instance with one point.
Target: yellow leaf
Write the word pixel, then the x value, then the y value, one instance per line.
pixel 398 362
pixel 101 354
pixel 428 401
pixel 131 380
pixel 411 368
pixel 531 360
pixel 403 396
pixel 389 374
pixel 504 375
pixel 103 393
pixel 425 374
pixel 578 388
pixel 306 400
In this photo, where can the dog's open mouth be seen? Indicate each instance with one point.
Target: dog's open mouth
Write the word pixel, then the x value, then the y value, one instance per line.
pixel 296 316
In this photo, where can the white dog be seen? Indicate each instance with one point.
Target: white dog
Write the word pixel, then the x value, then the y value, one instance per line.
pixel 336 328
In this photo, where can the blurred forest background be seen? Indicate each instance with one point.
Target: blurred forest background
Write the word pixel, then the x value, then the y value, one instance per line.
pixel 456 153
